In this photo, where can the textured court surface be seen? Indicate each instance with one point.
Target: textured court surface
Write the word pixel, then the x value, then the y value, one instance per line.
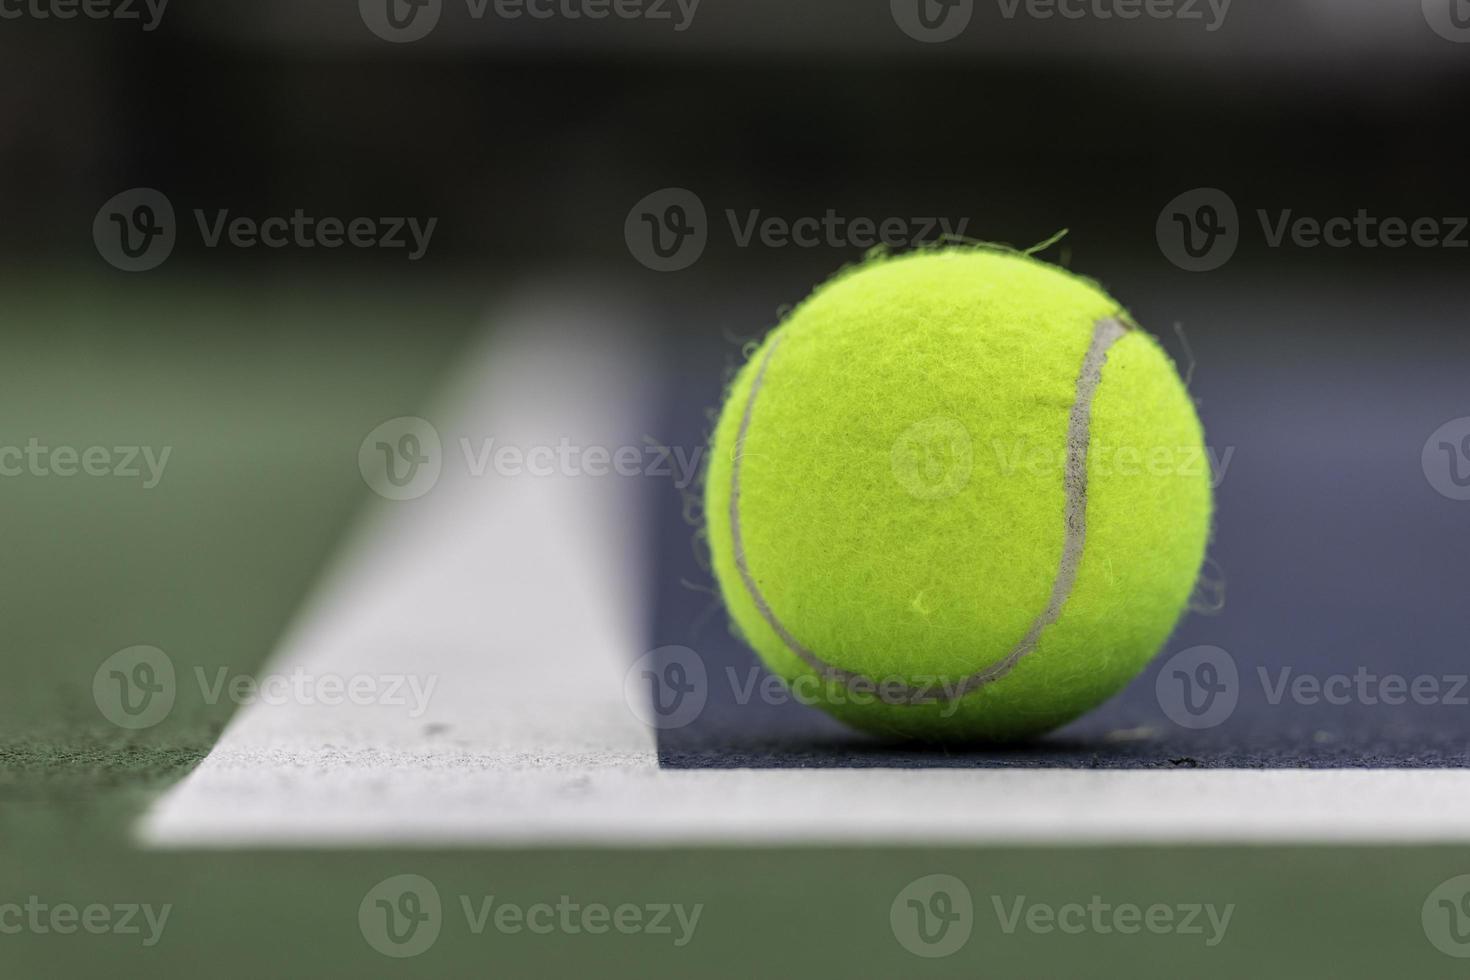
pixel 75 788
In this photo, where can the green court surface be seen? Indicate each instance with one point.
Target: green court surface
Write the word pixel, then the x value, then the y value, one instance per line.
pixel 260 393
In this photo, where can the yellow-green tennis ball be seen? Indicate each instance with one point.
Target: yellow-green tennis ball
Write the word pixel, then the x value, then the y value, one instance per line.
pixel 956 495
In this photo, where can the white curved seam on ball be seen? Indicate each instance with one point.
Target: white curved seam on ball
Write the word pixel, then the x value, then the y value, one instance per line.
pixel 1106 332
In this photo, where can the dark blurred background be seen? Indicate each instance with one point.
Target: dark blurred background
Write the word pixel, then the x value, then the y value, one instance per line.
pixel 530 139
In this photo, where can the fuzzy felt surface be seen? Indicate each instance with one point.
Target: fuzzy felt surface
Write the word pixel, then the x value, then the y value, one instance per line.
pixel 903 491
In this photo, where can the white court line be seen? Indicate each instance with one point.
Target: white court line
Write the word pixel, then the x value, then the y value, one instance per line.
pixel 346 799
pixel 521 597
pixel 526 599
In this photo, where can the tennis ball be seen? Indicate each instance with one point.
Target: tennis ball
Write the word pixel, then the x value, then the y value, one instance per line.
pixel 957 494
